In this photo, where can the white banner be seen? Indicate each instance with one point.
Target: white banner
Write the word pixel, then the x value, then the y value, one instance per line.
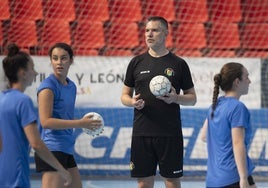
pixel 99 80
pixel 204 69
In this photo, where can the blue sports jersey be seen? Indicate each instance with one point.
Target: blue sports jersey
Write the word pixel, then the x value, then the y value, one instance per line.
pixel 16 112
pixel 63 108
pixel 221 165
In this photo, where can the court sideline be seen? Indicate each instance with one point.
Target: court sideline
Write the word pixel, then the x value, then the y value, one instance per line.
pixel 36 183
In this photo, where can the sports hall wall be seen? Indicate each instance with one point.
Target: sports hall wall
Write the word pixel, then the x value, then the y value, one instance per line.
pixel 106 34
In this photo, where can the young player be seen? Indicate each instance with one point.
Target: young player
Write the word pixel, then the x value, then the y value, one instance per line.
pixel 157 134
pixel 56 103
pixel 227 131
pixel 18 124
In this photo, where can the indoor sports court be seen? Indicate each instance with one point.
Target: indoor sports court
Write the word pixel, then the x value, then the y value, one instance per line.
pixel 132 184
pixel 122 184
pixel 107 34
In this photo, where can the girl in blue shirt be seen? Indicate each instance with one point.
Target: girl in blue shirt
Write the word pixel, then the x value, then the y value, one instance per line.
pixel 56 103
pixel 227 130
pixel 18 125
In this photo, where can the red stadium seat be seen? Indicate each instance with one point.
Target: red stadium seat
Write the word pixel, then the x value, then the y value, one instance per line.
pixel 117 52
pixel 1 35
pixel 59 9
pixel 156 8
pixel 223 36
pixel 52 31
pixel 221 53
pixel 254 53
pixel 122 35
pixel 255 11
pixel 192 11
pixel 4 10
pixel 126 11
pixel 255 36
pixel 92 10
pixel 89 35
pixel 85 52
pixel 190 36
pixel 169 40
pixel 22 9
pixel 23 33
pixel 225 11
pixel 188 53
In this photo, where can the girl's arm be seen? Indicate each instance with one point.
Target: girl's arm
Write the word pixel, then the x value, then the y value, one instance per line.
pixel 45 109
pixel 239 150
pixel 204 131
pixel 40 148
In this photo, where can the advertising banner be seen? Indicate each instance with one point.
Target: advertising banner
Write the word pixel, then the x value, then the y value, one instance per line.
pixel 99 80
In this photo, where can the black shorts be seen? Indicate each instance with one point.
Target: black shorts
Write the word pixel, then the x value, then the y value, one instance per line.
pixel 236 184
pixel 149 152
pixel 66 160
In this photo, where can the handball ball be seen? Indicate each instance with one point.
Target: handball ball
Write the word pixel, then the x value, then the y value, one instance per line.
pixel 98 131
pixel 160 85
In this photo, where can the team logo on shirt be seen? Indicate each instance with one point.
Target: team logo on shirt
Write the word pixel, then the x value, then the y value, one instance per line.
pixel 131 165
pixel 169 72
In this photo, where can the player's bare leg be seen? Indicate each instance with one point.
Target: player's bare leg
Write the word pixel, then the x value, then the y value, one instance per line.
pixel 172 182
pixel 147 182
pixel 53 179
pixel 76 179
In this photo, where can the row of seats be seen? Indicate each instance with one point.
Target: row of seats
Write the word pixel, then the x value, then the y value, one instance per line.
pixel 137 10
pixel 87 37
pixel 112 27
